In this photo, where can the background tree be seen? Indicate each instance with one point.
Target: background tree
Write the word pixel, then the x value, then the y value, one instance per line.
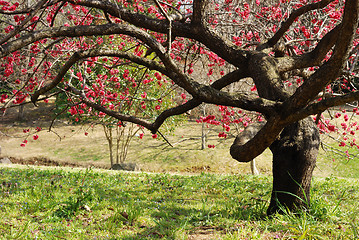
pixel 289 53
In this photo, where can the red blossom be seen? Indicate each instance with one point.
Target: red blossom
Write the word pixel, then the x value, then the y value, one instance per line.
pixel 342 144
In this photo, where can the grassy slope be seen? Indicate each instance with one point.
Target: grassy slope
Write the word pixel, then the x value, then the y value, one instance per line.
pixel 152 155
pixel 52 203
pixel 68 143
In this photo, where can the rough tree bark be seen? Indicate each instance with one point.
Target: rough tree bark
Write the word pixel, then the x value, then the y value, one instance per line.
pixel 294 158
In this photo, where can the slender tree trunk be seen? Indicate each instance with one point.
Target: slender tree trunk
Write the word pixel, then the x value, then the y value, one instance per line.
pixel 203 137
pixel 20 115
pixel 254 169
pixel 108 133
pixel 294 159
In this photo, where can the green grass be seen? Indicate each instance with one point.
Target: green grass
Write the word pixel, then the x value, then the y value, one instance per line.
pixel 49 203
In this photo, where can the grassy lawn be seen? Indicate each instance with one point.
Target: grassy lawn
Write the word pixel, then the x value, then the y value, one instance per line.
pixel 64 203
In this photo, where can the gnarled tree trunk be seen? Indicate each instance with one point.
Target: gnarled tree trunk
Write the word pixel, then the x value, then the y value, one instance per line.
pixel 294 158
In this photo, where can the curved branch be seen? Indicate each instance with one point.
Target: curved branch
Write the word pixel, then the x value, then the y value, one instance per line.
pixel 260 142
pixel 75 31
pixel 286 25
pixel 176 75
pixel 56 12
pixel 193 103
pixel 313 58
pixel 137 19
pixel 117 115
pixel 178 110
pixel 328 72
pixel 225 49
pixel 95 53
pixel 321 106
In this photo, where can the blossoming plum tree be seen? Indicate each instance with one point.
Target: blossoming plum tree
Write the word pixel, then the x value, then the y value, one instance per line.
pixel 288 54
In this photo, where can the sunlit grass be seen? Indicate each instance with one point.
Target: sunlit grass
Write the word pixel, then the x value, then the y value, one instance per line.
pixel 87 204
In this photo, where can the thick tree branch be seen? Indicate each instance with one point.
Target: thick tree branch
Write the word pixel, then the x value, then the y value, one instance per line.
pixel 95 53
pixel 117 115
pixel 313 58
pixel 329 71
pixel 321 106
pixel 260 142
pixel 199 8
pixel 225 49
pixel 137 19
pixel 264 72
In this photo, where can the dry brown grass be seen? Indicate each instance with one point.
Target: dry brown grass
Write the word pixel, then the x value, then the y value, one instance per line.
pixel 68 143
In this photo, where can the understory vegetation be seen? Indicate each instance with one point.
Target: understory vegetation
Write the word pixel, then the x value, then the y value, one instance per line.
pixel 55 203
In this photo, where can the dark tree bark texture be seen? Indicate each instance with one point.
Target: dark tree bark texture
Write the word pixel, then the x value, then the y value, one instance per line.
pixel 294 158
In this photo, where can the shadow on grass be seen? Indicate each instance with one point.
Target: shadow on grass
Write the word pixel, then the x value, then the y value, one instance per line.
pixel 145 206
pixel 177 210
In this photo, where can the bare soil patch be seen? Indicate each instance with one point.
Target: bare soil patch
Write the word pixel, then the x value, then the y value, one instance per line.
pixel 42 161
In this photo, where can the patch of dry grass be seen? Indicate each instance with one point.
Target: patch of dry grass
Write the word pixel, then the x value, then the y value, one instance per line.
pixel 68 143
